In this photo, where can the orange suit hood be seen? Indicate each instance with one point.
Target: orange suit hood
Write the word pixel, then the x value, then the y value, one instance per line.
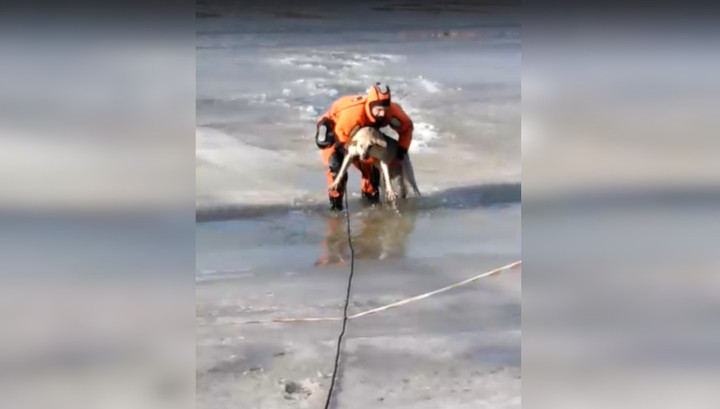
pixel 379 95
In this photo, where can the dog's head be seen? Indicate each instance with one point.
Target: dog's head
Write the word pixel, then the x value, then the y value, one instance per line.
pixel 364 139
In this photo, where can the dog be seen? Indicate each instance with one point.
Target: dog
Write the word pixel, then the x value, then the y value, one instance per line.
pixel 369 142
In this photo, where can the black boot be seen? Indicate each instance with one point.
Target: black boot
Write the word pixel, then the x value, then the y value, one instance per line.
pixel 372 198
pixel 336 203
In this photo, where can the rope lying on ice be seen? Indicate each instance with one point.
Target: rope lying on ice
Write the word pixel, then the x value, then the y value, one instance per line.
pixel 396 304
pixel 345 308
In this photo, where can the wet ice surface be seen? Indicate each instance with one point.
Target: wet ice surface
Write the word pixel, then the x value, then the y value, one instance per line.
pixel 456 349
pixel 267 248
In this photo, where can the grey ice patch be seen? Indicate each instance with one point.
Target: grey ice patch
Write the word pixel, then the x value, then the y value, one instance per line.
pixel 293 390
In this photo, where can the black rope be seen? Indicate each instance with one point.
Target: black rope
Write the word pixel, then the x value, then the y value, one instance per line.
pixel 345 309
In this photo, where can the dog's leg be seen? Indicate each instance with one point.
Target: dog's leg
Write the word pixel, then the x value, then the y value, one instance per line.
pixel 409 174
pixel 403 186
pixel 396 175
pixel 383 184
pixel 389 192
pixel 343 170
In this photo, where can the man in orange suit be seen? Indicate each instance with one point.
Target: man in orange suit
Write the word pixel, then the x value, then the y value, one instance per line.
pixel 346 116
